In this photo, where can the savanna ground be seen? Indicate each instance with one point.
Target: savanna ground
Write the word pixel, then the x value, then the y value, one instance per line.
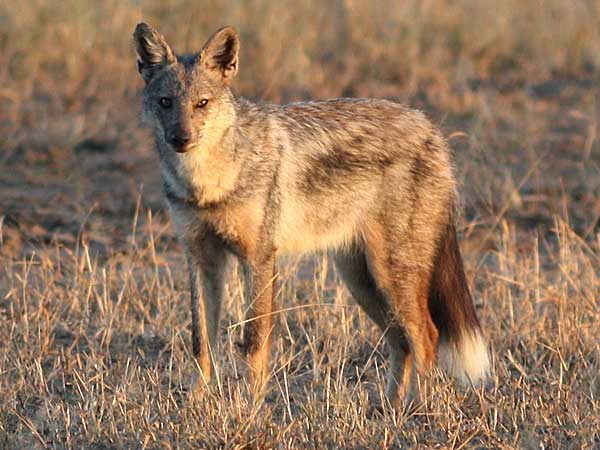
pixel 94 341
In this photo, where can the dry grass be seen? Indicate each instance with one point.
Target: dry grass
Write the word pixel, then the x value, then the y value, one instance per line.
pixel 94 342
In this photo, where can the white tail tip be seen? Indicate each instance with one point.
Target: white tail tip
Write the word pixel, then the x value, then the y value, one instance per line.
pixel 466 359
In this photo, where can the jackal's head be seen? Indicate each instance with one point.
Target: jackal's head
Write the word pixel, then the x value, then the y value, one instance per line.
pixel 187 100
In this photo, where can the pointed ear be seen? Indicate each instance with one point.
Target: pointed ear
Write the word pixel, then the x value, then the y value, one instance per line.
pixel 153 52
pixel 220 54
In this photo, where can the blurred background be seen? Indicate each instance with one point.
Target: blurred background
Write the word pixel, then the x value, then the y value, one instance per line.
pixel 94 337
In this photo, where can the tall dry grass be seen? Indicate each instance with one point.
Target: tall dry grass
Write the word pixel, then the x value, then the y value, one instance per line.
pixel 94 344
pixel 96 355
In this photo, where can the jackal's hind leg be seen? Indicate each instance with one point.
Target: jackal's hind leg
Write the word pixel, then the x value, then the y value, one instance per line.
pixel 400 273
pixel 352 267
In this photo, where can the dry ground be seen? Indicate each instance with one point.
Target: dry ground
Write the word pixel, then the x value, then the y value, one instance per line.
pixel 94 342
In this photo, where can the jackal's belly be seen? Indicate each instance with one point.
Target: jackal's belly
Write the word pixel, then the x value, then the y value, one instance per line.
pixel 307 227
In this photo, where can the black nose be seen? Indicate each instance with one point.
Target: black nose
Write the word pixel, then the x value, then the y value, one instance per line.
pixel 179 141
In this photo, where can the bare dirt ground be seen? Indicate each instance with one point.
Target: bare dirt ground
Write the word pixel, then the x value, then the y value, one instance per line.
pixel 94 342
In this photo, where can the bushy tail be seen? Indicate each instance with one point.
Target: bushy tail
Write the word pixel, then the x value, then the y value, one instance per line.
pixel 462 348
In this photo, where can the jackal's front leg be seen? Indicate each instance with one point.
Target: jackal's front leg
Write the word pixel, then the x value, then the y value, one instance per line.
pixel 260 278
pixel 207 262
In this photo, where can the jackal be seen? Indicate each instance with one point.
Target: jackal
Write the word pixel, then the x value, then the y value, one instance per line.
pixel 369 181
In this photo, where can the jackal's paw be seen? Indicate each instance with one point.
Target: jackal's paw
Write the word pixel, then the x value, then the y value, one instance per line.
pixel 243 347
pixel 198 385
pixel 376 412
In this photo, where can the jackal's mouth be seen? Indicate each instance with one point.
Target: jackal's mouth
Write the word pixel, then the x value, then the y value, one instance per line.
pixel 182 150
pixel 185 148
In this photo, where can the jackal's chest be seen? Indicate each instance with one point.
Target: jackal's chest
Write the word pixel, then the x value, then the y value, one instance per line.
pixel 198 177
pixel 237 225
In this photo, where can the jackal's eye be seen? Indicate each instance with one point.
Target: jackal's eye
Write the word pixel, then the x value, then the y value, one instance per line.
pixel 201 104
pixel 165 102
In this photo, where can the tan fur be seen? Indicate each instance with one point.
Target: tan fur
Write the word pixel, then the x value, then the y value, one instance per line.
pixel 370 181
